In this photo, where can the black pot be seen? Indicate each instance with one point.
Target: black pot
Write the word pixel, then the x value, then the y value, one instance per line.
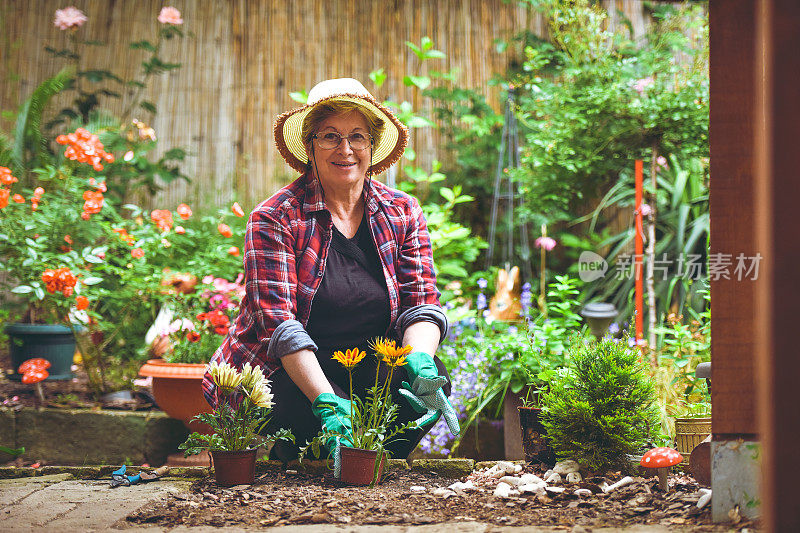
pixel 534 437
pixel 53 342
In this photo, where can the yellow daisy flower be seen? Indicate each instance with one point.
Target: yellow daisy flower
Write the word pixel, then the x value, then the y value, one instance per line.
pixel 388 351
pixel 350 358
pixel 251 377
pixel 261 395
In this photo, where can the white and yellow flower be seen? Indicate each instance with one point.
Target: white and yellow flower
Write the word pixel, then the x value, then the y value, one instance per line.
pixel 224 375
pixel 252 377
pixel 261 396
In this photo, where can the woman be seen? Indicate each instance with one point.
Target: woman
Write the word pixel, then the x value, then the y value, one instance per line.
pixel 333 261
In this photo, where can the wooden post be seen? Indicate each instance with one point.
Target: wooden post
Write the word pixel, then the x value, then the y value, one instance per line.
pixel 777 197
pixel 639 249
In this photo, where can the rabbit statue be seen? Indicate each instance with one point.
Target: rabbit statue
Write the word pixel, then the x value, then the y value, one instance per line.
pixel 505 304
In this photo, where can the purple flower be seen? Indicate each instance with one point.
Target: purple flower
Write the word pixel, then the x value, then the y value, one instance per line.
pixel 482 283
pixel 661 161
pixel 481 302
pixel 613 328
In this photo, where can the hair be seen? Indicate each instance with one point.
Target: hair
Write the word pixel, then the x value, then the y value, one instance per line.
pixel 325 110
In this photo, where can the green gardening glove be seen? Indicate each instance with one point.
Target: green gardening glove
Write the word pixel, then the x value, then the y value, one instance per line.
pixel 334 416
pixel 425 393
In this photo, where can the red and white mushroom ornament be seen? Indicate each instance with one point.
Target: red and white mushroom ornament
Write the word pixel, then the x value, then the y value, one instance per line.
pixel 34 371
pixel 661 459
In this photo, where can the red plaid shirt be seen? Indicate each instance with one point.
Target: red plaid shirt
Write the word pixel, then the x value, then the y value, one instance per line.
pixel 286 245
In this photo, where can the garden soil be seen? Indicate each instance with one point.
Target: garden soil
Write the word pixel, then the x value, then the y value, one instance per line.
pixel 294 498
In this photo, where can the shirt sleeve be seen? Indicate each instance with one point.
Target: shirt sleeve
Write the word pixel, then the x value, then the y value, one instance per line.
pixel 416 275
pixel 266 327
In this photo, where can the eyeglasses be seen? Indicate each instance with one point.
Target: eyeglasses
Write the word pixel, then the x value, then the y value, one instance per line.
pixel 331 140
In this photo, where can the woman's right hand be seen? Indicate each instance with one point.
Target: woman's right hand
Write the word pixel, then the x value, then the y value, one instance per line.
pixel 334 416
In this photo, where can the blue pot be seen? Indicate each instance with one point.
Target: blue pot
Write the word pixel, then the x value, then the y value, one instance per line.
pixel 53 342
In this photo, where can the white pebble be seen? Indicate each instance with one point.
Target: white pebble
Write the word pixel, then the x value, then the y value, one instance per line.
pixel 574 477
pixel 583 493
pixel 504 490
pixel 627 480
pixel 463 486
pixel 566 466
pixel 525 479
pixel 704 499
pixel 555 490
pixel 547 474
pixel 534 488
pixel 443 493
pixel 517 469
pixel 555 477
pixel 511 480
pixel 417 489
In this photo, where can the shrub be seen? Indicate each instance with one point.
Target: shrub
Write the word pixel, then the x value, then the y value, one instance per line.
pixel 601 407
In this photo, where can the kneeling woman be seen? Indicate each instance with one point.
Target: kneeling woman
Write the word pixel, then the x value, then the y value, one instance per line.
pixel 333 261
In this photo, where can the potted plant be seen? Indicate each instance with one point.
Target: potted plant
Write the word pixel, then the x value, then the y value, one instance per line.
pixel 534 434
pixel 372 418
pixel 188 330
pixel 243 402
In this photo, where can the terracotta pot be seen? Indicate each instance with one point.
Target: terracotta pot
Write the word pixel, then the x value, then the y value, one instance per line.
pixel 534 440
pixel 358 466
pixel 177 389
pixel 234 468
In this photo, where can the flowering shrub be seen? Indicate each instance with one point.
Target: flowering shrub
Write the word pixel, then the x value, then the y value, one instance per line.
pixel 203 319
pixel 487 361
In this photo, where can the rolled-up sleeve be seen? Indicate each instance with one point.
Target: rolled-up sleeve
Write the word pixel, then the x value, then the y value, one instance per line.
pixel 266 328
pixel 416 275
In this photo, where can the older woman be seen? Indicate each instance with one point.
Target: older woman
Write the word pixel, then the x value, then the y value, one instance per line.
pixel 332 261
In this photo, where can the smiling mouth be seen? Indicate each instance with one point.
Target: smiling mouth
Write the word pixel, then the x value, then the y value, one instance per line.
pixel 345 165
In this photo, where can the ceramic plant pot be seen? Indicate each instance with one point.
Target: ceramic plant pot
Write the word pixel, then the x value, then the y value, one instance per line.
pixel 234 468
pixel 358 466
pixel 53 342
pixel 689 432
pixel 534 437
pixel 178 390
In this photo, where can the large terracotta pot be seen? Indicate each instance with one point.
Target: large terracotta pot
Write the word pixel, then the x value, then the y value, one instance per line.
pixel 177 388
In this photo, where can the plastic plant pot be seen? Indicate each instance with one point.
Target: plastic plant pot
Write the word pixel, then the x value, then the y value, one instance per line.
pixel 534 437
pixel 234 468
pixel 358 466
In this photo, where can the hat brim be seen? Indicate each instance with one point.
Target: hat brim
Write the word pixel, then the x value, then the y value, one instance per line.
pixel 288 134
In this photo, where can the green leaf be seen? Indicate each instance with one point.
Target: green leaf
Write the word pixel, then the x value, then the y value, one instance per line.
pixel 94 280
pixel 421 82
pixel 299 96
pixel 378 77
pixel 22 289
pixel 148 106
pixel 39 293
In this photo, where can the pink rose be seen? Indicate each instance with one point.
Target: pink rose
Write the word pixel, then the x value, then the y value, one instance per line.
pixel 661 161
pixel 69 17
pixel 548 243
pixel 170 15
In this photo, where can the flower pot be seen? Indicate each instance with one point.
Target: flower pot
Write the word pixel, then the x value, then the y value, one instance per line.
pixel 358 466
pixel 534 439
pixel 689 432
pixel 234 468
pixel 53 342
pixel 178 390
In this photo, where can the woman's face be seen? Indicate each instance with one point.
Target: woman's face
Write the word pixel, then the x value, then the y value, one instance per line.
pixel 342 166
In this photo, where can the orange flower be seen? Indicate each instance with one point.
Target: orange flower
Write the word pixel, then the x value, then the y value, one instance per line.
pixel 221 330
pixel 349 358
pixel 93 203
pixel 225 230
pixel 184 211
pixel 18 198
pixel 180 230
pixel 3 197
pixel 81 303
pixel 218 319
pixel 234 251
pixel 237 209
pixel 388 351
pixel 193 336
pixel 68 239
pixel 138 253
pixel 38 192
pixel 60 279
pixel 5 177
pixel 85 147
pixel 162 219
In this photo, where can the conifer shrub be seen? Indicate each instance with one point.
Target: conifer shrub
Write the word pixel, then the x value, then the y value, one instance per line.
pixel 601 407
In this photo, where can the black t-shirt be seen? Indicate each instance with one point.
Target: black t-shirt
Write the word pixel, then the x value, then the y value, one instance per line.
pixel 351 306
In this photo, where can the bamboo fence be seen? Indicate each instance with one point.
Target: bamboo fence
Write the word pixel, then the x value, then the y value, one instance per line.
pixel 242 58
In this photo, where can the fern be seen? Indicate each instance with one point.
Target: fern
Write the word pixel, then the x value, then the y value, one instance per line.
pixel 29 147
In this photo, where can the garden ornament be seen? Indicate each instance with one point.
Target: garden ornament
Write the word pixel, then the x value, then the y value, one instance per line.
pixel 334 415
pixel 289 125
pixel 118 477
pixel 506 302
pixel 35 371
pixel 425 393
pixel 661 459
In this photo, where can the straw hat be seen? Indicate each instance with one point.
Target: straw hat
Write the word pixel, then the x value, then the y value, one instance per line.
pixel 288 127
